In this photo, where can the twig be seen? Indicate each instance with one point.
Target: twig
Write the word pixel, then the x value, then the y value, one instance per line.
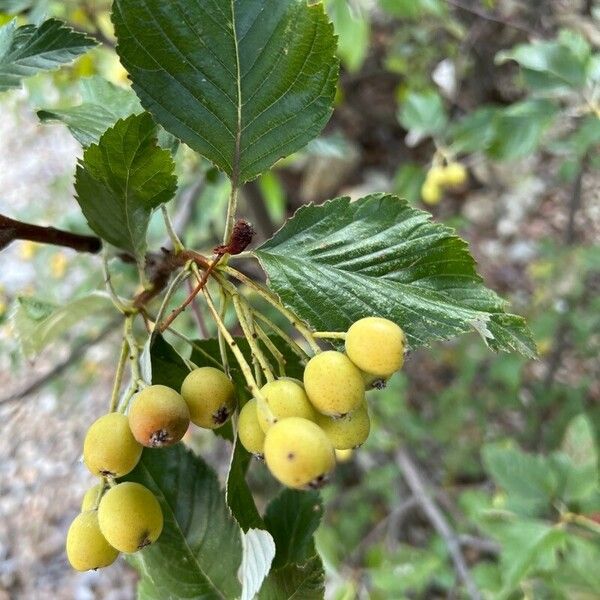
pixel 11 230
pixel 438 520
pixel 77 353
pixel 555 358
pixel 198 313
pixel 494 19
pixel 191 296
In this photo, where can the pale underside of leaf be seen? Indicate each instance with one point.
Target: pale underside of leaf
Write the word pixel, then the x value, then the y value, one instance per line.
pixel 243 83
pixel 343 260
pixel 258 552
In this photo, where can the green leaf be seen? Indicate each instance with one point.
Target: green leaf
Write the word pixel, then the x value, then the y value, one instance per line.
pixel 579 446
pixel 352 28
pixel 295 582
pixel 122 179
pixel 292 519
pixel 168 368
pixel 258 553
pixel 519 128
pixel 552 64
pixel 423 114
pixel 238 495
pixel 27 50
pixel 527 479
pixel 102 105
pixel 528 546
pixel 199 551
pixel 38 323
pixel 414 9
pixel 243 83
pixel 335 263
pixel 475 131
pixel 409 180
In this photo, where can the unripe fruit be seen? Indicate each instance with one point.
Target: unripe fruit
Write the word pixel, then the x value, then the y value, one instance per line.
pixel 376 346
pixel 455 175
pixel 92 497
pixel 130 517
pixel 250 432
pixel 210 396
pixel 333 384
pixel 349 431
pixel 436 176
pixel 298 453
pixel 109 448
pixel 431 192
pixel 158 416
pixel 87 548
pixel 285 398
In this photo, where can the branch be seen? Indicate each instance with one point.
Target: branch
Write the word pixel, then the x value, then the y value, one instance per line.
pixel 494 19
pixel 437 519
pixel 11 230
pixel 76 354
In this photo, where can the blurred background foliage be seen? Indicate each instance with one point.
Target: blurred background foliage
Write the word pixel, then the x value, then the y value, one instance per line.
pixel 508 448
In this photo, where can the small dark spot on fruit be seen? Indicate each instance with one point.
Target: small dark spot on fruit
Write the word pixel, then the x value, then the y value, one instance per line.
pixel 159 438
pixel 106 473
pixel 220 415
pixel 260 457
pixel 291 456
pixel 255 335
pixel 144 540
pixel 379 384
pixel 318 482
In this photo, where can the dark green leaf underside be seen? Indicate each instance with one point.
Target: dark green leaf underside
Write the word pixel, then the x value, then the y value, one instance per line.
pixel 335 263
pixel 243 83
pixel 27 50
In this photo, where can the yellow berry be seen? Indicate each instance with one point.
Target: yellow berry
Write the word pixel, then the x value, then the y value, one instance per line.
pixel 376 346
pixel 109 447
pixel 298 453
pixel 431 192
pixel 210 396
pixel 343 456
pixel 130 517
pixel 87 548
pixel 334 385
pixel 250 432
pixel 92 497
pixel 158 416
pixel 349 431
pixel 285 398
pixel 455 175
pixel 436 176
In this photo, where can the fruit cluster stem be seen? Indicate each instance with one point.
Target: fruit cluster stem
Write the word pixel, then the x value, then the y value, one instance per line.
pixel 242 362
pixel 332 335
pixel 114 399
pixel 267 295
pixel 250 333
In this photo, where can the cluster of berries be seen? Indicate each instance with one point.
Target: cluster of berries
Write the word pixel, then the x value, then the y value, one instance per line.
pixel 451 176
pixel 299 426
pixel 126 517
pixel 296 426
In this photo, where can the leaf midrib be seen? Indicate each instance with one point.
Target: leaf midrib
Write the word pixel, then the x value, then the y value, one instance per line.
pixel 185 542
